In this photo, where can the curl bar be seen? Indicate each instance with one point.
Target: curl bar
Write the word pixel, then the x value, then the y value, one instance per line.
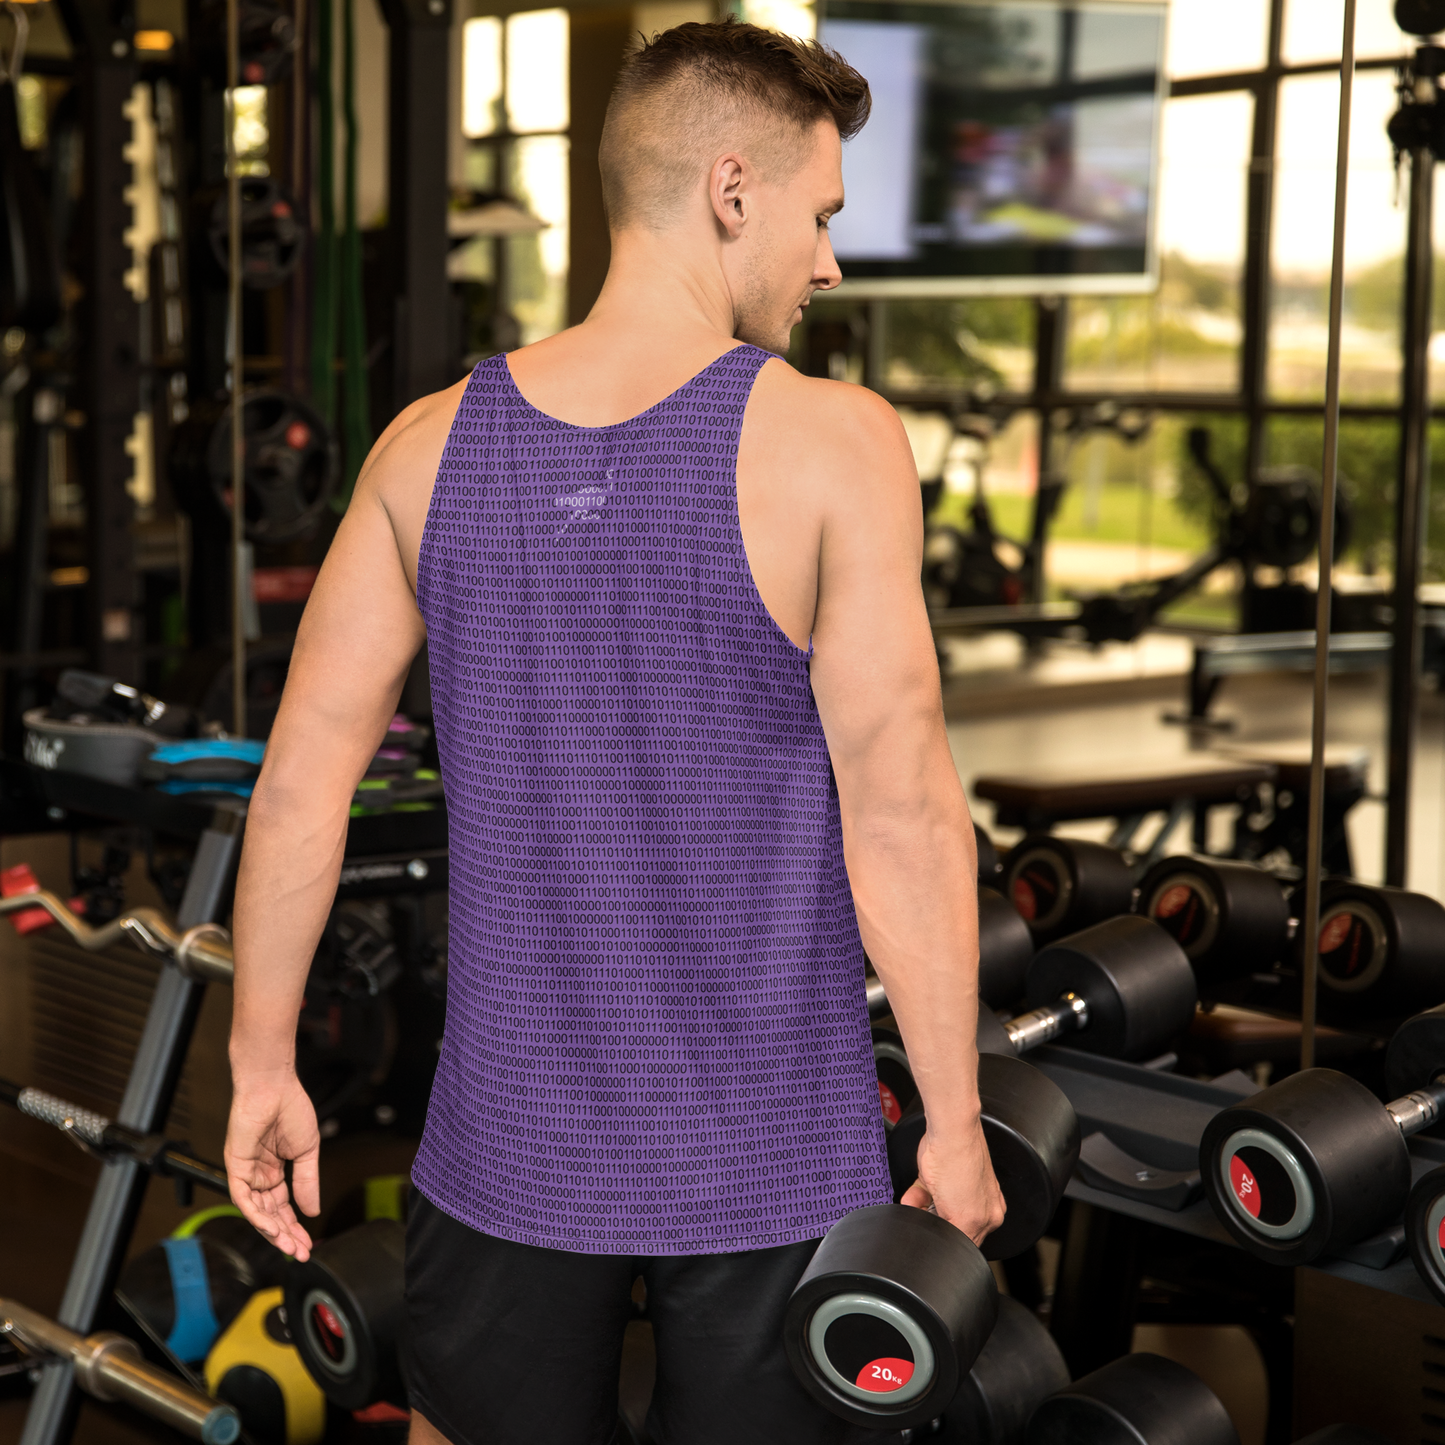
pixel 105 1139
pixel 202 953
pixel 110 1367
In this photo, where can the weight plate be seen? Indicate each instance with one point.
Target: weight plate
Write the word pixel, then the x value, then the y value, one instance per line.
pixel 1135 979
pixel 1416 1053
pixel 1266 1187
pixel 1185 906
pixel 1318 1144
pixel 1139 1399
pixel 1354 947
pixel 273 233
pixel 921 1267
pixel 866 1346
pixel 291 466
pixel 1005 949
pixel 1041 888
pixel 1425 1230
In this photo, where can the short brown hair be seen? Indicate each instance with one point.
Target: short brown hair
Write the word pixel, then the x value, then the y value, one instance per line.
pixel 685 89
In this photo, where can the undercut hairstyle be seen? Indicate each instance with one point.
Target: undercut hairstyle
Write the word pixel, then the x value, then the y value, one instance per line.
pixel 694 92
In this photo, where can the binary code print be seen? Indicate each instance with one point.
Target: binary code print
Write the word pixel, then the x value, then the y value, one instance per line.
pixel 656 1037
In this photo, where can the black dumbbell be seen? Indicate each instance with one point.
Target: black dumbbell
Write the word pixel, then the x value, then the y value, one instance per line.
pixel 345 1309
pixel 896 1089
pixel 1231 919
pixel 1060 885
pixel 1005 949
pixel 990 869
pixel 1122 988
pixel 1135 1400
pixel 1020 1366
pixel 1425 1230
pixel 1032 1134
pixel 1315 1162
pixel 896 1304
pixel 1381 952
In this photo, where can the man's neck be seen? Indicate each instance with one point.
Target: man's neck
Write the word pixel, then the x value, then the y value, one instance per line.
pixel 665 312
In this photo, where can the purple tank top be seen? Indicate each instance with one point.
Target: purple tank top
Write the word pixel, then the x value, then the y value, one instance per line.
pixel 656 1037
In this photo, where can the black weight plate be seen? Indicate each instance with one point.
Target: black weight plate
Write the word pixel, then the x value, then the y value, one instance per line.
pixel 990 870
pixel 1033 1142
pixel 290 465
pixel 1019 1367
pixel 1005 949
pixel 1231 919
pixel 1135 979
pixel 345 1309
pixel 896 1089
pixel 273 233
pixel 905 1284
pixel 1416 1053
pixel 1305 1167
pixel 1060 885
pixel 992 1035
pixel 1381 951
pixel 1425 1230
pixel 1136 1400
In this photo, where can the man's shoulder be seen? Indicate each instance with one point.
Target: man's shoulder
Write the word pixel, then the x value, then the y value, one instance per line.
pixel 830 415
pixel 834 437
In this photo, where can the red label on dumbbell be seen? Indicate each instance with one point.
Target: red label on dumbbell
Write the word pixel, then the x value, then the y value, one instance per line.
pixel 1246 1187
pixel 1334 933
pixel 1440 1236
pixel 881 1376
pixel 1172 900
pixel 1025 900
pixel 330 1330
pixel 892 1110
pixel 298 436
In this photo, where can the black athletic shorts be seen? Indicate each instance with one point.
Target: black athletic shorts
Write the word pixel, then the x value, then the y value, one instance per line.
pixel 510 1344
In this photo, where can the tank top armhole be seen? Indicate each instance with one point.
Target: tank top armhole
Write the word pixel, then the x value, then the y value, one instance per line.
pixel 423 558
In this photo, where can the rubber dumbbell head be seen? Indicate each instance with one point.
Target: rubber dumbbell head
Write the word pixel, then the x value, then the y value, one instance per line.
pixel 1231 919
pixel 1425 1230
pixel 990 868
pixel 1020 1366
pixel 1060 885
pixel 1316 1162
pixel 1005 950
pixel 1122 988
pixel 896 1089
pixel 1032 1133
pixel 890 1316
pixel 345 1309
pixel 1381 952
pixel 1136 1400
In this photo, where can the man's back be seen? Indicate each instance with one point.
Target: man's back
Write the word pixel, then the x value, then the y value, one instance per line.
pixel 654 968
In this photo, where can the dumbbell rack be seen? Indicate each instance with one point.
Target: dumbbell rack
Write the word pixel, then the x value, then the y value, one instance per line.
pixel 1157 1119
pixel 385 853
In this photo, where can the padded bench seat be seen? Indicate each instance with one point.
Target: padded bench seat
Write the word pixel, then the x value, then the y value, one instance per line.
pixel 1037 801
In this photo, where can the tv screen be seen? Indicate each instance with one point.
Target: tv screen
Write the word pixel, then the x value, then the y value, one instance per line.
pixel 1013 146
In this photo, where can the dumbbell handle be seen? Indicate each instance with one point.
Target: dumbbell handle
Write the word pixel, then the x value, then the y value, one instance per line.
pixel 110 1367
pixel 1419 1110
pixel 1040 1025
pixel 877 998
pixel 203 952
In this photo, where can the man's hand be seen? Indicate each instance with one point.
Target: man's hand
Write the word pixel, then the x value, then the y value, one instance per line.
pixel 957 1181
pixel 273 1122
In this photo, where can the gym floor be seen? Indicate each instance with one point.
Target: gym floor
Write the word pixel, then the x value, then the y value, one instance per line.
pixel 1094 712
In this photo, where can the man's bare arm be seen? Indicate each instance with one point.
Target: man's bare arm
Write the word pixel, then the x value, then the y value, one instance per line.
pixel 907 836
pixel 356 642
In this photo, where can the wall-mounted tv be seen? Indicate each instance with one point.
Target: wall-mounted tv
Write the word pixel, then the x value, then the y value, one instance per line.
pixel 1013 147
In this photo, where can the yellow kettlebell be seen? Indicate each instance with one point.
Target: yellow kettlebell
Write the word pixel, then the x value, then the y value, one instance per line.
pixel 255 1367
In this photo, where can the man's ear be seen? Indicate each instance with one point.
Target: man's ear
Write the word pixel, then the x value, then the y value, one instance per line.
pixel 727 190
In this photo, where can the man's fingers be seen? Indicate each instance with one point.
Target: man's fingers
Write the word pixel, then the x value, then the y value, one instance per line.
pixel 306 1182
pixel 917 1196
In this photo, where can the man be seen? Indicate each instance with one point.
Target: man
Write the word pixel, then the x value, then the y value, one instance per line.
pixel 691 733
